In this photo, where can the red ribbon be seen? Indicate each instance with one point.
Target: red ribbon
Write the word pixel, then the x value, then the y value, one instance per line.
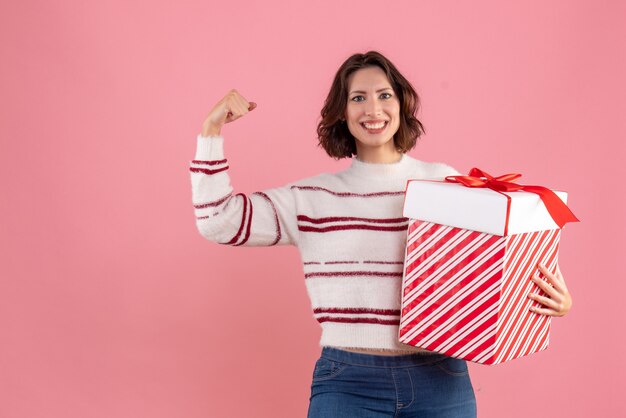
pixel 559 211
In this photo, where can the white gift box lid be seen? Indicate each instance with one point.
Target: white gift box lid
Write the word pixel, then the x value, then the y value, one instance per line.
pixel 477 209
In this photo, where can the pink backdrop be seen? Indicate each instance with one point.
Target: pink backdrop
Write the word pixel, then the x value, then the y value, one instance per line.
pixel 112 304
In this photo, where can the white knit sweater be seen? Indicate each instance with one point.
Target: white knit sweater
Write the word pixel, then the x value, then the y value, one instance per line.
pixel 348 227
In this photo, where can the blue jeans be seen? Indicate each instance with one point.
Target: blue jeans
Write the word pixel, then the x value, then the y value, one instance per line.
pixel 356 385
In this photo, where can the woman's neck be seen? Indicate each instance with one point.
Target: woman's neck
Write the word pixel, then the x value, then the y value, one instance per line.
pixel 380 160
pixel 378 155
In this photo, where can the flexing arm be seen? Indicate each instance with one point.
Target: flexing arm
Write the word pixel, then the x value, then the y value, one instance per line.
pixel 261 218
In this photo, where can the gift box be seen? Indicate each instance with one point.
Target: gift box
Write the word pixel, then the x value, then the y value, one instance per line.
pixel 473 244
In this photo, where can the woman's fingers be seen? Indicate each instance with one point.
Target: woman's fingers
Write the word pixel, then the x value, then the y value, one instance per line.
pixel 545 311
pixel 546 302
pixel 230 108
pixel 238 105
pixel 549 306
pixel 560 277
pixel 552 278
pixel 557 301
pixel 543 285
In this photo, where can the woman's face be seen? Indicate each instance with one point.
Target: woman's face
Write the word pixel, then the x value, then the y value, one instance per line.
pixel 373 110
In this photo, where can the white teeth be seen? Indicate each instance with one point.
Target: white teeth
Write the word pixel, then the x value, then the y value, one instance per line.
pixel 374 126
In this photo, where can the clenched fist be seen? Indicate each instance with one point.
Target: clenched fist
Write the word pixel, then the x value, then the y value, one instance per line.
pixel 230 108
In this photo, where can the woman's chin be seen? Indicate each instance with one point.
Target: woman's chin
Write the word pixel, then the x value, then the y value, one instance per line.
pixel 372 143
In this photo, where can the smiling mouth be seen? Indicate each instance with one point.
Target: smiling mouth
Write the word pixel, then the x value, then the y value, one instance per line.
pixel 374 127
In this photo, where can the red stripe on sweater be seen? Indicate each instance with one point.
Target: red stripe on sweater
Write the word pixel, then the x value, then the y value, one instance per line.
pixel 349 218
pixel 358 311
pixel 359 320
pixel 347 227
pixel 278 232
pixel 352 273
pixel 214 203
pixel 206 170
pixel 209 162
pixel 245 238
pixel 243 218
pixel 346 194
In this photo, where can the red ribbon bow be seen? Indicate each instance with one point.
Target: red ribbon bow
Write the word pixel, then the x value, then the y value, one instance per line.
pixel 559 211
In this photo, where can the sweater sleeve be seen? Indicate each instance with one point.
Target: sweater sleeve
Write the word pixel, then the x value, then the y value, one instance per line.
pixel 262 218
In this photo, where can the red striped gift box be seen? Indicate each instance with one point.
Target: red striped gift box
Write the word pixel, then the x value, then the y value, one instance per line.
pixel 464 292
pixel 470 255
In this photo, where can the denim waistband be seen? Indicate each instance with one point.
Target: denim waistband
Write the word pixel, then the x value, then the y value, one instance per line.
pixel 374 360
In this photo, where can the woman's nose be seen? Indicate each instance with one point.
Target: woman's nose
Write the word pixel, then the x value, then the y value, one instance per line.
pixel 373 107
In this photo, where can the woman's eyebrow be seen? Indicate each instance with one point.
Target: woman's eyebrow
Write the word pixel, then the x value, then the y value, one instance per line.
pixel 364 92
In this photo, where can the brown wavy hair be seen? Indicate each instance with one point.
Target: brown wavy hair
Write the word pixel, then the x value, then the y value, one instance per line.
pixel 332 131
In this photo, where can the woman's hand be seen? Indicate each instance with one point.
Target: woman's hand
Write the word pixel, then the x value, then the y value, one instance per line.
pixel 558 301
pixel 230 108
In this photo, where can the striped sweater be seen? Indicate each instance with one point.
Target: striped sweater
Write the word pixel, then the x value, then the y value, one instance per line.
pixel 348 227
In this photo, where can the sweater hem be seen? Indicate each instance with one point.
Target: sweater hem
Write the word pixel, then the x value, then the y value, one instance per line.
pixel 365 337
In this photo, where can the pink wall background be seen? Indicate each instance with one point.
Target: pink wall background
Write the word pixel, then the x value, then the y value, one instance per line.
pixel 112 304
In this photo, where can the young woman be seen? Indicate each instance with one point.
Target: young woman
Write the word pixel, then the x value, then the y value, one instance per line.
pixel 351 234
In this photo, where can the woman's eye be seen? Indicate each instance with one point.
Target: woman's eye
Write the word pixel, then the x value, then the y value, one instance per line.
pixel 361 98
